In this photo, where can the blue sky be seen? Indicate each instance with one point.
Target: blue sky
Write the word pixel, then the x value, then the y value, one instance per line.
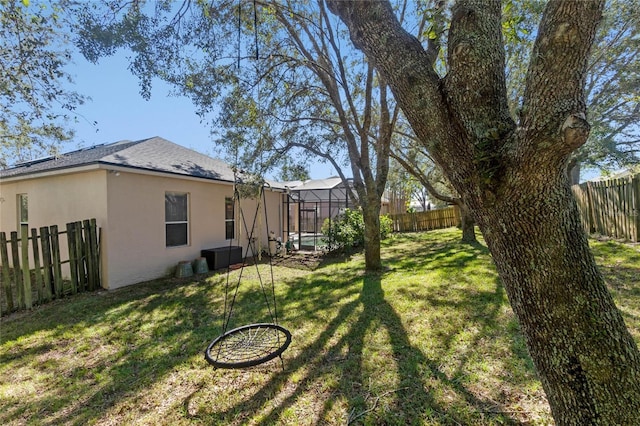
pixel 121 112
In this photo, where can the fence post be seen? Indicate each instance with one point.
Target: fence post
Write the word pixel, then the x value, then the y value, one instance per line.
pixel 80 258
pixel 630 209
pixel 46 263
pixel 71 247
pixel 591 228
pixel 6 276
pixel 90 254
pixel 26 274
pixel 17 272
pixel 57 265
pixel 36 264
pixel 636 207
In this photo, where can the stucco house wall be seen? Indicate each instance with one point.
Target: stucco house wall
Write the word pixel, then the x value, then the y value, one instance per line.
pixel 129 205
pixel 135 233
pixel 84 194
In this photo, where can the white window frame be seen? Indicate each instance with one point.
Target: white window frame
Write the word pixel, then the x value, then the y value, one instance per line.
pixel 19 198
pixel 178 222
pixel 227 220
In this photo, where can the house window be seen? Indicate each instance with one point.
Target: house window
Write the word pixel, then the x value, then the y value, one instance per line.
pixel 176 214
pixel 23 210
pixel 229 221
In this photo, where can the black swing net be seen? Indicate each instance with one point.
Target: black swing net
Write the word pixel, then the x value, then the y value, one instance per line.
pixel 251 344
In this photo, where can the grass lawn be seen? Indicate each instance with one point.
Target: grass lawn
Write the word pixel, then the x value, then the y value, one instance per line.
pixel 431 341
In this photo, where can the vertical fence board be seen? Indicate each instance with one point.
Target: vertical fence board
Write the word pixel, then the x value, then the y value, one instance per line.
pixel 80 257
pixel 37 271
pixel 6 275
pixel 55 257
pixel 98 239
pixel 17 272
pixel 46 263
pixel 26 274
pixel 73 267
pixel 636 206
pixel 95 247
pixel 88 249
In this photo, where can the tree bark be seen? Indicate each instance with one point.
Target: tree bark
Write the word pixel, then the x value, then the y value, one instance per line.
pixel 573 171
pixel 586 359
pixel 468 225
pixel 371 216
pixel 514 180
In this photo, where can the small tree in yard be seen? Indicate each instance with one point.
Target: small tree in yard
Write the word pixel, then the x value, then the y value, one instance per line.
pixel 511 171
pixel 304 90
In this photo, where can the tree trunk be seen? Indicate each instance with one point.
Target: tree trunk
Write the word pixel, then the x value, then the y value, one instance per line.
pixel 514 180
pixel 588 362
pixel 573 171
pixel 467 224
pixel 371 216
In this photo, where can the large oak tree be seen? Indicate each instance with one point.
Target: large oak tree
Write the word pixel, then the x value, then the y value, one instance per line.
pixel 511 172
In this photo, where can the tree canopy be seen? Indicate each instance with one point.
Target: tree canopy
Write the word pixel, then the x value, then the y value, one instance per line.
pixel 611 90
pixel 279 80
pixel 36 107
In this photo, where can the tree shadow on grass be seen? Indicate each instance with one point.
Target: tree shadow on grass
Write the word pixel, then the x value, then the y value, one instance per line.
pixel 137 339
pixel 343 349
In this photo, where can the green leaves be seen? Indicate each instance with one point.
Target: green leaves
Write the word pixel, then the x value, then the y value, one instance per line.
pixel 431 33
pixel 34 100
pixel 613 108
pixel 347 230
pixel 512 30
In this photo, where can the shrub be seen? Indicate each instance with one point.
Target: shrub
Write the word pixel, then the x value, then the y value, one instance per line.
pixel 386 226
pixel 347 229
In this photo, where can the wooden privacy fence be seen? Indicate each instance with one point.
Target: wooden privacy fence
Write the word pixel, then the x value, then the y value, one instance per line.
pixel 34 274
pixel 425 221
pixel 611 207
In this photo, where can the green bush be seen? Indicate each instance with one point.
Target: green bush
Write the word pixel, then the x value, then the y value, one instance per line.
pixel 347 230
pixel 386 226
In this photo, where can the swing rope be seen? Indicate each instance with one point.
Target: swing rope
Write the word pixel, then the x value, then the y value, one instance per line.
pixel 251 344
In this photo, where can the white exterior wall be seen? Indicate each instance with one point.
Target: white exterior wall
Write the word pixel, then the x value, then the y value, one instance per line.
pixel 55 199
pixel 130 208
pixel 136 240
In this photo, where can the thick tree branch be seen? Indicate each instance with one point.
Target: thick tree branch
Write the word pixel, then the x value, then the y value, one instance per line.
pixel 383 143
pixel 475 85
pixel 408 70
pixel 555 88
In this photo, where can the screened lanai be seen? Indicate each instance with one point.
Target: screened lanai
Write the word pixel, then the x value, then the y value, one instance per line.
pixel 309 204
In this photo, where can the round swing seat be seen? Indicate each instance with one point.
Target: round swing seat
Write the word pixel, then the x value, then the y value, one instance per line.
pixel 248 346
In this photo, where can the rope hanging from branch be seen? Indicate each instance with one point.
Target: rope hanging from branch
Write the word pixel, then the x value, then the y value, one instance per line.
pixel 251 344
pixel 255 29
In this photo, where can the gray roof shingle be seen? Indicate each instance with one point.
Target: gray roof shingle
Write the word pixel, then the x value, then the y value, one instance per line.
pixel 153 154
